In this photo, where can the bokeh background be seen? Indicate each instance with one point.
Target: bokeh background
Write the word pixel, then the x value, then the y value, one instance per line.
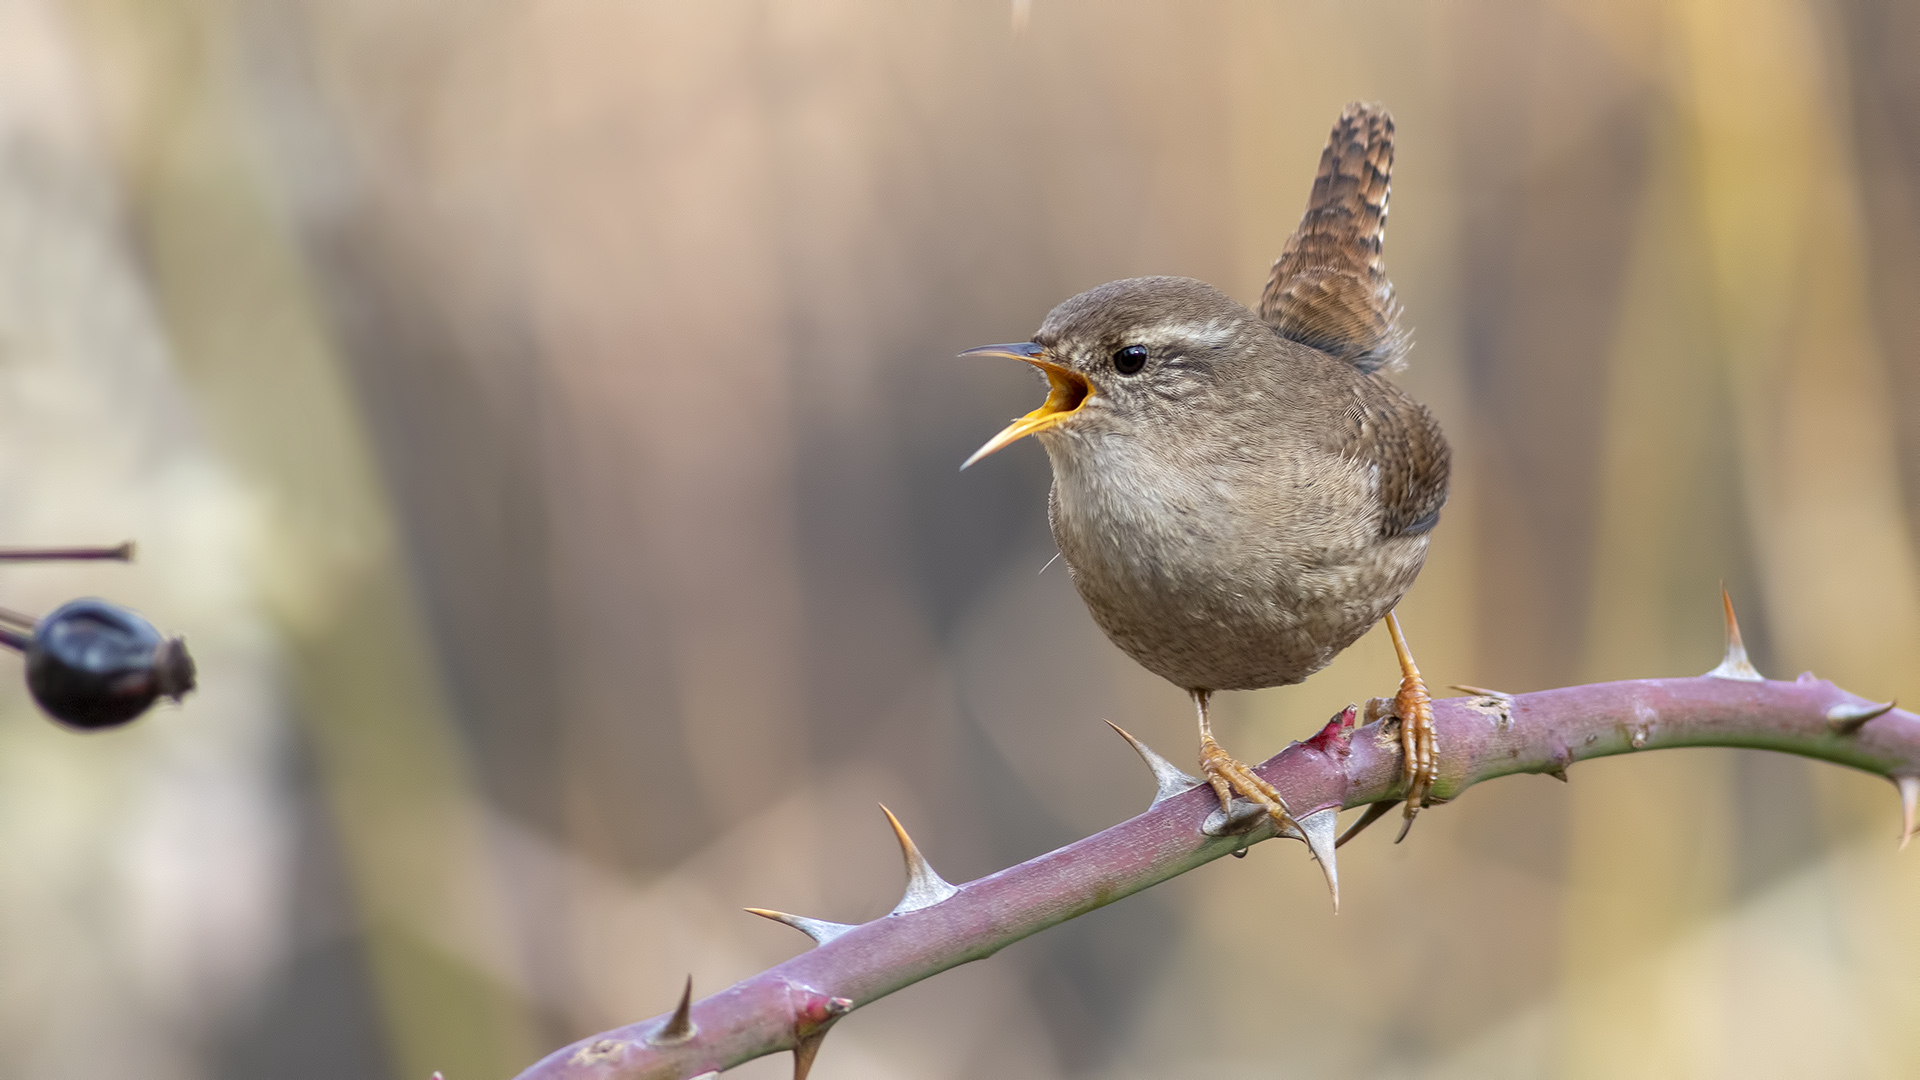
pixel 540 417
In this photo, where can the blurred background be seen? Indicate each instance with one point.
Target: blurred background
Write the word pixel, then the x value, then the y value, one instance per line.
pixel 541 419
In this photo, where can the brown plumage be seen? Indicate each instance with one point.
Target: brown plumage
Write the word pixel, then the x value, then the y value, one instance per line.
pixel 1328 288
pixel 1240 497
pixel 1387 428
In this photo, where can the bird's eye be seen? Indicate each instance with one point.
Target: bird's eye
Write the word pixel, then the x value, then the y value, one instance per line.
pixel 1130 360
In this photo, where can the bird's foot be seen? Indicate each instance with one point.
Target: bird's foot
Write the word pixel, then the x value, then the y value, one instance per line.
pixel 1230 776
pixel 1419 746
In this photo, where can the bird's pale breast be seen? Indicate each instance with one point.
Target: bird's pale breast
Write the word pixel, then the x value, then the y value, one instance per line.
pixel 1234 574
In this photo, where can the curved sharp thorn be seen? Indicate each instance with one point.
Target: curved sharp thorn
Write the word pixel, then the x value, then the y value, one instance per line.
pixel 1735 664
pixel 1169 779
pixel 820 930
pixel 1481 691
pixel 1245 818
pixel 1318 828
pixel 804 1052
pixel 1909 801
pixel 1847 717
pixel 679 1027
pixel 1558 774
pixel 925 888
pixel 1374 813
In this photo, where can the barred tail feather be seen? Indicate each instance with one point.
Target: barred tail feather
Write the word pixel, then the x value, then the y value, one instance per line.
pixel 1329 288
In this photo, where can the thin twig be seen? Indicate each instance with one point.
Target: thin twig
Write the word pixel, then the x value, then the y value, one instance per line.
pixel 117 553
pixel 18 618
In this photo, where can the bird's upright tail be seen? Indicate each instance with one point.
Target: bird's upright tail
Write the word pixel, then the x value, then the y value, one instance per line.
pixel 1329 289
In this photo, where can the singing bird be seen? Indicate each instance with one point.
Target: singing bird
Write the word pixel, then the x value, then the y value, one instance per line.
pixel 1239 497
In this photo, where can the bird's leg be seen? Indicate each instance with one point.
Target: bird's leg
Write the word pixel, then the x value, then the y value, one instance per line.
pixel 1420 750
pixel 1229 775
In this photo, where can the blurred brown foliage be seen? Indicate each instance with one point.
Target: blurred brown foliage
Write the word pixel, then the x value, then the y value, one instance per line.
pixel 546 411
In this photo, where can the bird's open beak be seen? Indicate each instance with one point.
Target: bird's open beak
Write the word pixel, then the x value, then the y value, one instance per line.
pixel 1067 389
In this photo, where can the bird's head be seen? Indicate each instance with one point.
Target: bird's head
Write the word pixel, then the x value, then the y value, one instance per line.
pixel 1131 357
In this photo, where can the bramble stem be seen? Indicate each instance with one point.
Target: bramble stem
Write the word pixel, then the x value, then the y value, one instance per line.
pixel 1482 738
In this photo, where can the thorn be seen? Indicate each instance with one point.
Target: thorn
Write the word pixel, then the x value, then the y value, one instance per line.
pixel 1558 774
pixel 805 1051
pixel 811 1022
pixel 820 930
pixel 1481 691
pixel 1374 813
pixel 1168 777
pixel 925 888
pixel 1909 798
pixel 1735 665
pixel 1318 827
pixel 1246 817
pixel 679 1027
pixel 1847 718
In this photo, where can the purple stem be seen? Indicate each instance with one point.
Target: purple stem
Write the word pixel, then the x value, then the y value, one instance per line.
pixel 790 1006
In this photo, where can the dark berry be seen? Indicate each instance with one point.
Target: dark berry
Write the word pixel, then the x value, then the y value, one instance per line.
pixel 95 665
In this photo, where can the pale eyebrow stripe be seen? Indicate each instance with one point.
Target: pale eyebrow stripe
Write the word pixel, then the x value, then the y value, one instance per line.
pixel 1213 332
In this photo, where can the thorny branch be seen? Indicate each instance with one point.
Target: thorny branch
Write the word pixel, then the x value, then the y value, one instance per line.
pixel 938 925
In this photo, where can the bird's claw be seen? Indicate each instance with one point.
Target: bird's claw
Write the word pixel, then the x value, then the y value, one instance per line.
pixel 1419 746
pixel 1229 777
pixel 1420 756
